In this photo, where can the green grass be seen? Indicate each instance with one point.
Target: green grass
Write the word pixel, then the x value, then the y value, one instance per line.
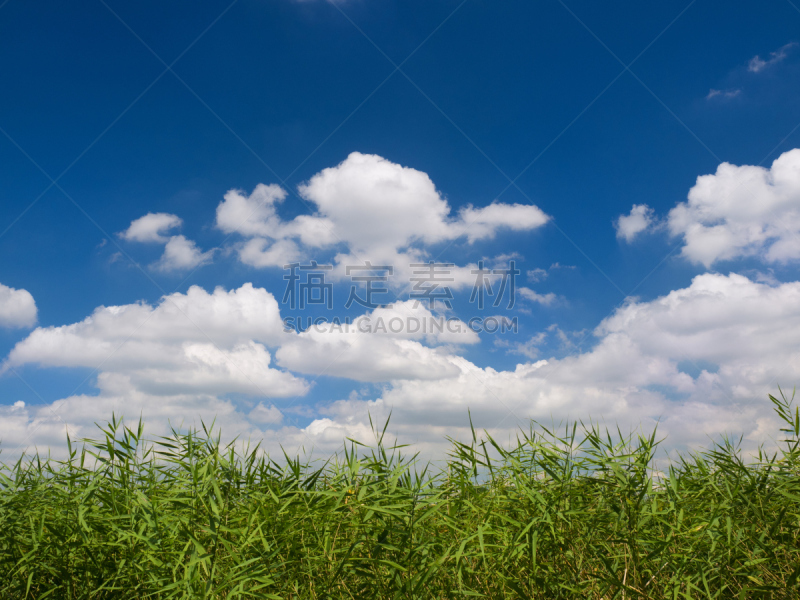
pixel 577 514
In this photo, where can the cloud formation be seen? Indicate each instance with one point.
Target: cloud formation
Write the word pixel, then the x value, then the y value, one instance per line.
pixel 17 308
pixel 532 296
pixel 180 254
pixel 630 225
pixel 189 343
pixel 384 345
pixel 742 211
pixel 723 94
pixel 699 360
pixel 372 208
pixel 757 64
pixel 151 228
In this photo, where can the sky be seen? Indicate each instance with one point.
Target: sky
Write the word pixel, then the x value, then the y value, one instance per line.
pixel 561 211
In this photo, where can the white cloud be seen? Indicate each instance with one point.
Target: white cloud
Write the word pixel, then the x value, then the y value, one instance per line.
pixel 482 223
pixel 757 64
pixel 730 321
pixel 529 294
pixel 376 204
pixel 182 254
pixel 748 331
pixel 631 225
pixel 176 361
pixel 265 414
pixel 17 308
pixel 44 427
pixel 258 252
pixel 151 228
pixel 742 211
pixel 700 360
pixel 189 343
pixel 256 216
pixel 381 346
pixel 374 208
pixel 364 357
pixel 367 209
pixel 530 348
pixel 723 94
pixel 537 275
pixel 172 364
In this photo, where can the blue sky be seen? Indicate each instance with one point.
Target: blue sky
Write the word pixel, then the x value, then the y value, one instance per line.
pixel 568 111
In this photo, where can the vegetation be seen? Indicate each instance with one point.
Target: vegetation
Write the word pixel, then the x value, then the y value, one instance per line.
pixel 581 514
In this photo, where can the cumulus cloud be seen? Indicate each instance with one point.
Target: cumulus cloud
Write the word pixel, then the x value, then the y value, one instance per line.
pixel 630 225
pixel 529 294
pixel 44 427
pixel 181 254
pixel 265 414
pixel 151 228
pixel 699 360
pixel 384 345
pixel 259 252
pixel 757 64
pixel 252 215
pixel 375 209
pixel 256 216
pixel 178 361
pixel 531 348
pixel 742 211
pixel 537 275
pixel 189 343
pixel 378 204
pixel 482 223
pixel 17 308
pixel 174 364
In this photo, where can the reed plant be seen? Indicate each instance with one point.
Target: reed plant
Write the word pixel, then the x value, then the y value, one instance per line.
pixel 575 513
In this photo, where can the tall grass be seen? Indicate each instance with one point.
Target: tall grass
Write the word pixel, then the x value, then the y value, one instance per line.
pixel 578 514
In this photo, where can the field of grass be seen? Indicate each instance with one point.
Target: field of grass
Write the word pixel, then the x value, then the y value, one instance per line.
pixel 576 514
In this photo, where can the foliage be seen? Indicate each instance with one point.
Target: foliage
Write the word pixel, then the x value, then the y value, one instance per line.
pixel 579 514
